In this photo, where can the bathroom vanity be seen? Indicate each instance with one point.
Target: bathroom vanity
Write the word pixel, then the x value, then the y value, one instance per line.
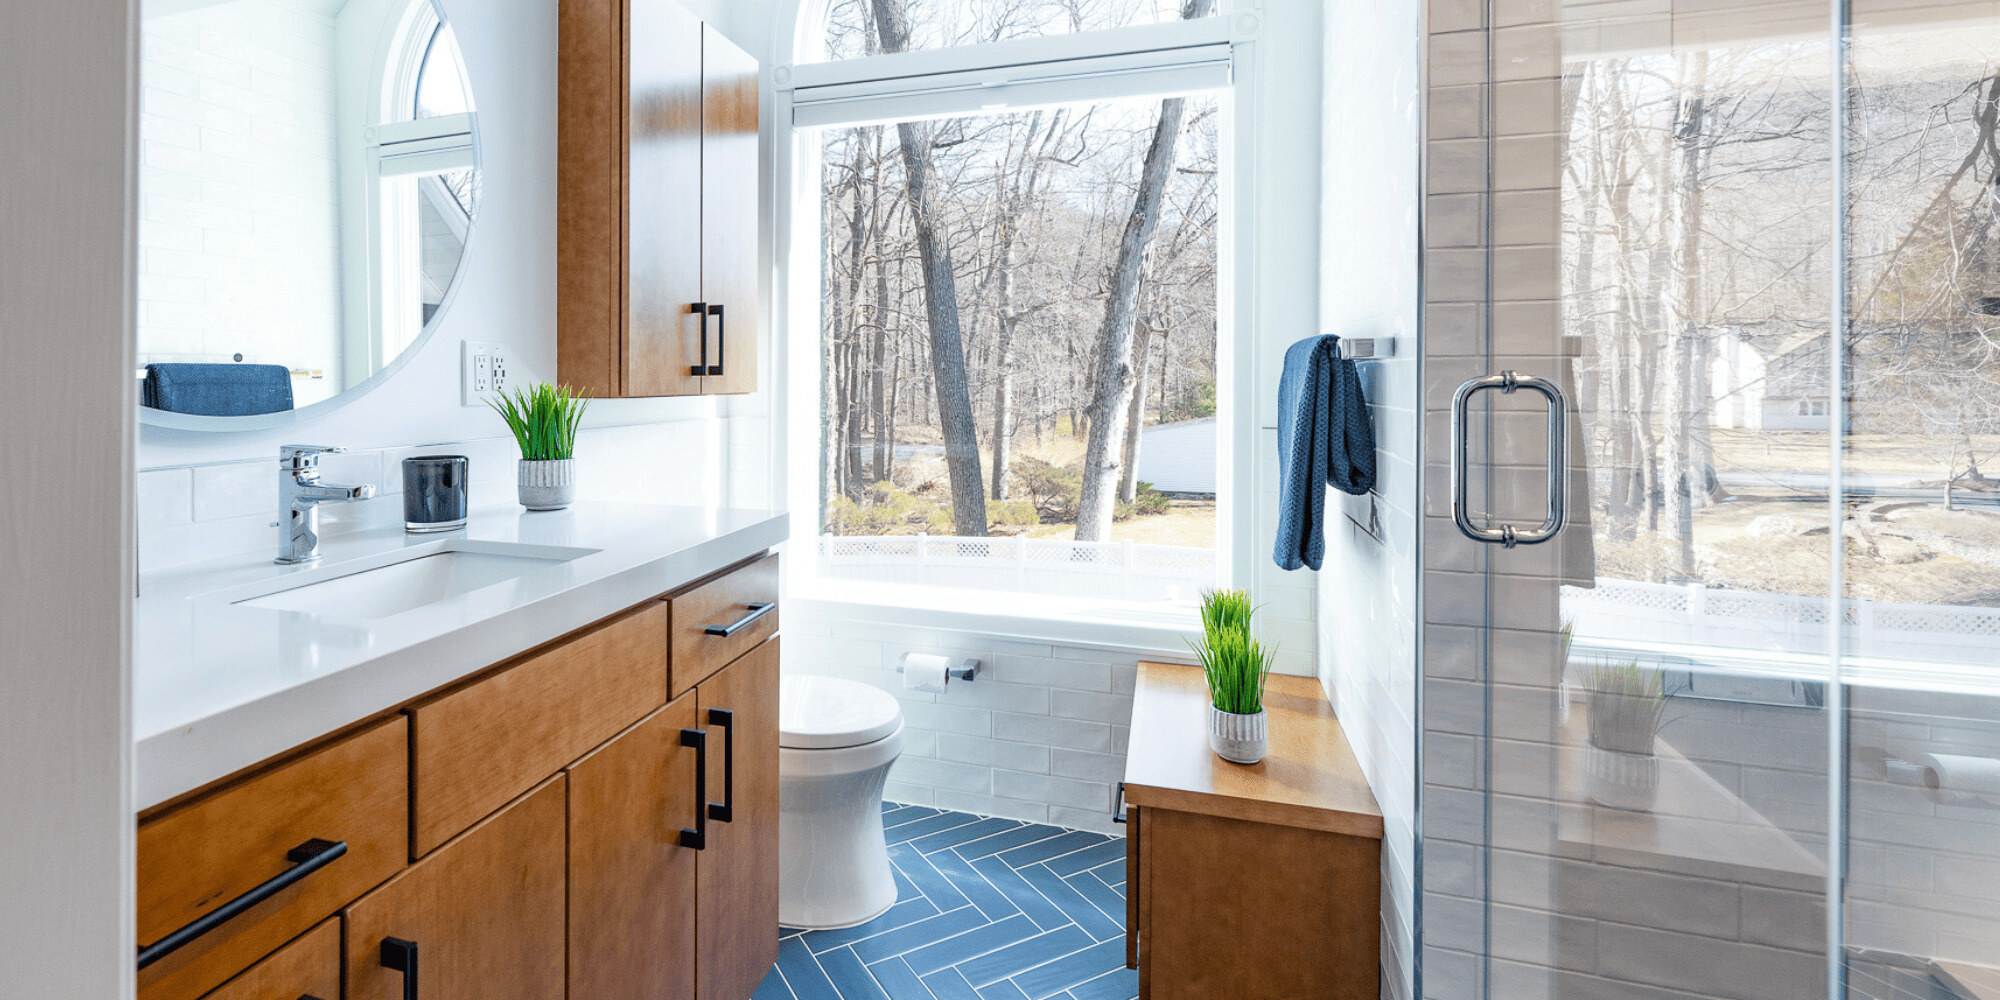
pixel 548 780
pixel 1255 881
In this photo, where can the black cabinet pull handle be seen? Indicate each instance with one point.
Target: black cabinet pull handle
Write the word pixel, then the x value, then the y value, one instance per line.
pixel 697 838
pixel 725 810
pixel 306 858
pixel 756 611
pixel 701 309
pixel 1118 804
pixel 721 339
pixel 401 956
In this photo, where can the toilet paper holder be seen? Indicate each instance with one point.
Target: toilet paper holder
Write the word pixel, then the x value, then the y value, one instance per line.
pixel 966 670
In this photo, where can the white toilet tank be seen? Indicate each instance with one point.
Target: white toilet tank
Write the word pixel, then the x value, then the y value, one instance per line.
pixel 837 740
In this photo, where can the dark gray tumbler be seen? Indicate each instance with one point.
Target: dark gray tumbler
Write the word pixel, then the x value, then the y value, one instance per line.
pixel 434 493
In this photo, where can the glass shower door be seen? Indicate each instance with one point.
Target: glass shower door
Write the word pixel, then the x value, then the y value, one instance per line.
pixel 1732 732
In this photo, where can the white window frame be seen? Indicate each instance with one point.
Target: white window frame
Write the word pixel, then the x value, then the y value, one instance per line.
pixel 806 93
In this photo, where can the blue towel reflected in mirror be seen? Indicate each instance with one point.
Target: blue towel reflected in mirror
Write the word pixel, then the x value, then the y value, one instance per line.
pixel 217 390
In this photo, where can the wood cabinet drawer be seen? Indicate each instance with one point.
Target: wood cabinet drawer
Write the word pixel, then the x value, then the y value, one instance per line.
pixel 717 621
pixel 476 748
pixel 196 858
pixel 306 969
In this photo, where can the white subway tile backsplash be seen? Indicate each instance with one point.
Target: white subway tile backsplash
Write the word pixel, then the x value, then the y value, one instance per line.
pixel 1051 789
pixel 993 753
pixel 236 490
pixel 1072 733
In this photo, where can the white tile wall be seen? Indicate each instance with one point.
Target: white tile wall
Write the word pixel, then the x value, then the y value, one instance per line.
pixel 1367 593
pixel 189 514
pixel 1040 735
pixel 239 242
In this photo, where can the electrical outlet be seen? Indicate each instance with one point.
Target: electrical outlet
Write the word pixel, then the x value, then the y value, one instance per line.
pixel 484 372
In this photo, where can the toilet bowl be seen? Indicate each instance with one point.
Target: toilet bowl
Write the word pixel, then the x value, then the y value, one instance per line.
pixel 837 739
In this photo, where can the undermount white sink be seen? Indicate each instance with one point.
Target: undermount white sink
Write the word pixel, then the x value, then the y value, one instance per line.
pixel 366 590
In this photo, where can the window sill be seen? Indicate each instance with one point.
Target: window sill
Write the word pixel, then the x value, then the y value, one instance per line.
pixel 1152 629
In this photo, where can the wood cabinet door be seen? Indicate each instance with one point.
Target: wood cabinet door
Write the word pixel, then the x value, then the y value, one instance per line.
pixel 663 224
pixel 485 912
pixel 631 883
pixel 729 94
pixel 737 875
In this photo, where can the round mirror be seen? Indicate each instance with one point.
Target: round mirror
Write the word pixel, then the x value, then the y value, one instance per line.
pixel 308 178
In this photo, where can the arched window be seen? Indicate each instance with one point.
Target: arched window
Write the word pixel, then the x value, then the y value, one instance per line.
pixel 1005 300
pixel 421 155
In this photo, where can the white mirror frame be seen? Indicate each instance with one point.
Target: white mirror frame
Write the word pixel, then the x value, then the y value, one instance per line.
pixel 268 421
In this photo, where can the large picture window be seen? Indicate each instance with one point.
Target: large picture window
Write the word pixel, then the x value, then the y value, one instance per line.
pixel 1019 335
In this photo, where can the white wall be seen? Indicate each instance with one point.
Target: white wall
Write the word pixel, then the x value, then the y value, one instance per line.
pixel 66 912
pixel 507 293
pixel 1368 288
pixel 239 249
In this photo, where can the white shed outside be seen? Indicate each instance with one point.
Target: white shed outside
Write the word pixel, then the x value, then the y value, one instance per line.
pixel 1179 457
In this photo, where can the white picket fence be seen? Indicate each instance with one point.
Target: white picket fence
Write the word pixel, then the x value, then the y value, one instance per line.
pixel 1055 567
pixel 1633 612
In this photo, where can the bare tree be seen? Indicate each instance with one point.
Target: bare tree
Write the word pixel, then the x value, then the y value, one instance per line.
pixel 1112 393
pixel 948 377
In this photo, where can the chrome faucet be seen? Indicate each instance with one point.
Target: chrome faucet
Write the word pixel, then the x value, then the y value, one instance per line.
pixel 300 494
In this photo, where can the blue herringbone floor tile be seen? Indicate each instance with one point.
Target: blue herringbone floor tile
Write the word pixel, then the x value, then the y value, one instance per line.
pixel 987 909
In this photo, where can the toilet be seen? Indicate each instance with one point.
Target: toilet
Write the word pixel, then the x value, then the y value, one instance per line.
pixel 837 739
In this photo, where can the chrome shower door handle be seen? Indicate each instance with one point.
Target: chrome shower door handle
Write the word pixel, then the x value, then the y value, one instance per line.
pixel 1558 483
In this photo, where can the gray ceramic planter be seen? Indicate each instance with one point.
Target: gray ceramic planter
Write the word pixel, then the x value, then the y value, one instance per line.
pixel 548 485
pixel 1238 738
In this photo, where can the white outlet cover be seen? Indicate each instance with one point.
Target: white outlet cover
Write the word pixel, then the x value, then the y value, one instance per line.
pixel 485 371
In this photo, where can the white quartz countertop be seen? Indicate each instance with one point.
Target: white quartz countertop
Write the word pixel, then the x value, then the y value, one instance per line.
pixel 219 686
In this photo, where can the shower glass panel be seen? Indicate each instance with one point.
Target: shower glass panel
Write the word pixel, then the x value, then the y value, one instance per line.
pixel 1732 733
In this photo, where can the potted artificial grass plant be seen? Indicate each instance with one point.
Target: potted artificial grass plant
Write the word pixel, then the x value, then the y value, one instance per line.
pixel 1236 665
pixel 1621 760
pixel 544 419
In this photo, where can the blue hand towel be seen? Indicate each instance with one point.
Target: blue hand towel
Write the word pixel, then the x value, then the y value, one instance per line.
pixel 218 390
pixel 1324 439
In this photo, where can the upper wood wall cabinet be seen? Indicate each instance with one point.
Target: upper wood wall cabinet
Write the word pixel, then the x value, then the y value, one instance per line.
pixel 657 203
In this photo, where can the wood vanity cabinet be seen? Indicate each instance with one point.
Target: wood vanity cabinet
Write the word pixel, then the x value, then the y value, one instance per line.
pixel 482 917
pixel 551 829
pixel 631 879
pixel 306 969
pixel 736 887
pixel 657 290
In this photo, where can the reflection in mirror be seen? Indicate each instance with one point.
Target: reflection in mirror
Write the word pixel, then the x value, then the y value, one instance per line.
pixel 308 177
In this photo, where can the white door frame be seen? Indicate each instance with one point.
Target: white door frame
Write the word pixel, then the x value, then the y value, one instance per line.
pixel 67 104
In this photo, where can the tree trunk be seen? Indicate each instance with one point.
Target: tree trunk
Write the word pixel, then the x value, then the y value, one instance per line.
pixel 1112 393
pixel 948 375
pixel 1135 416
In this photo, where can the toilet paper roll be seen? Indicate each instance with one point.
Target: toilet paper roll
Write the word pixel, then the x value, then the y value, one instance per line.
pixel 1948 773
pixel 925 672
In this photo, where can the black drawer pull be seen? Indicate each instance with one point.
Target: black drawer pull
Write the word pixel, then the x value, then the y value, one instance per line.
pixel 1118 804
pixel 725 810
pixel 700 309
pixel 306 858
pixel 697 838
pixel 401 956
pixel 756 611
pixel 721 339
